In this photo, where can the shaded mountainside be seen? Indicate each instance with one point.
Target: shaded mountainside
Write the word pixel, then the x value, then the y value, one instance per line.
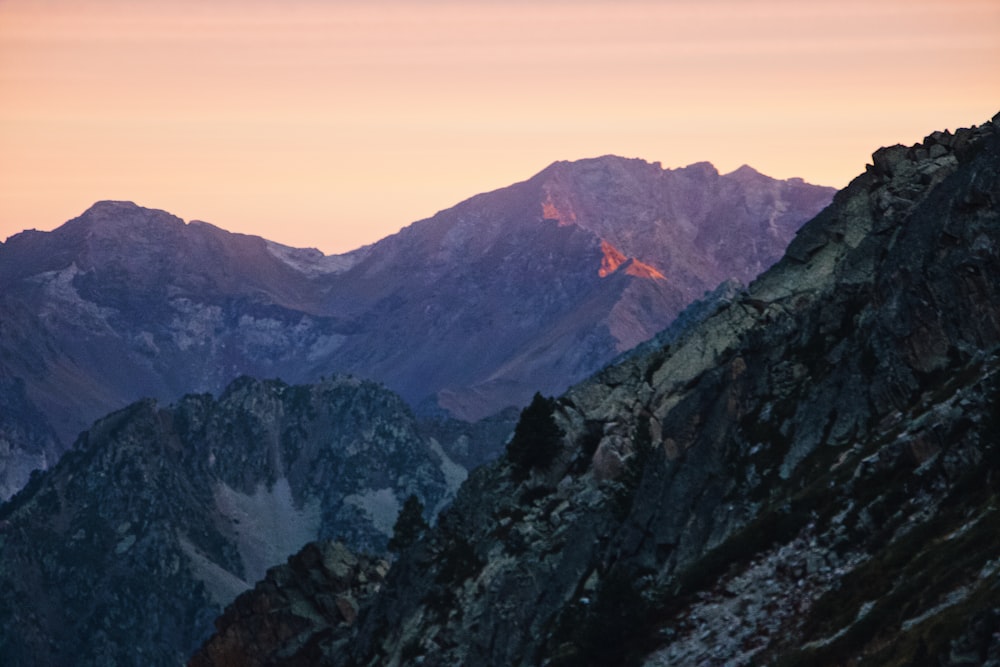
pixel 810 476
pixel 532 287
pixel 559 273
pixel 125 550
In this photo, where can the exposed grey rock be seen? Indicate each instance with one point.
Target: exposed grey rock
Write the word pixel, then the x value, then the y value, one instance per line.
pixel 807 475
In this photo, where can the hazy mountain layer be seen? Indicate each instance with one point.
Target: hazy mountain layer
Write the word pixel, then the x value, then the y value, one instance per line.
pixel 528 288
pixel 809 476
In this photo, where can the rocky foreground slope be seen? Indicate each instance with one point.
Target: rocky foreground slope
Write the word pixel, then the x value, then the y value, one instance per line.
pixel 811 476
pixel 528 288
pixel 160 516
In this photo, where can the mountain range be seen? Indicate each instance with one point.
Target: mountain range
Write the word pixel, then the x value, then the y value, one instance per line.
pixel 164 510
pixel 803 471
pixel 124 551
pixel 807 474
pixel 528 288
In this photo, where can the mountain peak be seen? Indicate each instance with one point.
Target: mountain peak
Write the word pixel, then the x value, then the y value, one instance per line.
pixel 106 206
pixel 600 168
pixel 746 171
pixel 113 218
pixel 602 160
pixel 703 168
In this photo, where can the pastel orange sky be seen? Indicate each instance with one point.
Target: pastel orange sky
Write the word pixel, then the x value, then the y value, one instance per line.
pixel 332 124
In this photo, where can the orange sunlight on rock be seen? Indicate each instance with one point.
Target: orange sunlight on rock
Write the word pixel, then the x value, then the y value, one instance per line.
pixel 551 212
pixel 613 259
pixel 643 270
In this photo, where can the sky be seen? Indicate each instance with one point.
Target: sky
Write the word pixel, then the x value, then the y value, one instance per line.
pixel 334 124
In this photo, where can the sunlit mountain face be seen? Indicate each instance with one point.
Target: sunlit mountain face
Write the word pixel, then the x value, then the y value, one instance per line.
pixel 527 288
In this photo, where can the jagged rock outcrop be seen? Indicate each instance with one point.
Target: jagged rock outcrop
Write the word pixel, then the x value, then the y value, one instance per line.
pixel 160 516
pixel 809 476
pixel 312 599
pixel 528 288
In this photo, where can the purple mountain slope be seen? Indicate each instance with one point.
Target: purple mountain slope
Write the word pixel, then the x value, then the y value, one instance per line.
pixel 539 284
pixel 528 288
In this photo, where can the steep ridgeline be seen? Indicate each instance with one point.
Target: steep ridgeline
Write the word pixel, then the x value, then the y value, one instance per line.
pixel 529 288
pixel 125 550
pixel 810 476
pixel 538 285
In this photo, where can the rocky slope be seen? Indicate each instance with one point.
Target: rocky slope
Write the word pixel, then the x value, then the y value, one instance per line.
pixel 310 601
pixel 810 476
pixel 560 273
pixel 528 288
pixel 159 516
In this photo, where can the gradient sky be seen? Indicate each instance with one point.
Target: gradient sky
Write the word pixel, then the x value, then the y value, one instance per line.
pixel 332 124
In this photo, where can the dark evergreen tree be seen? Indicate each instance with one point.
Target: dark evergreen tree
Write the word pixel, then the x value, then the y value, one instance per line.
pixel 409 526
pixel 536 436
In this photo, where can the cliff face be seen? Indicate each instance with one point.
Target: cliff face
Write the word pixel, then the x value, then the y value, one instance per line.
pixel 808 476
pixel 529 288
pixel 159 516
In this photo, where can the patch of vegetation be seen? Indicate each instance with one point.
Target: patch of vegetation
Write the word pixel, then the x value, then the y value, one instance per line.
pixel 537 437
pixel 458 563
pixel 608 631
pixel 409 526
pixel 589 442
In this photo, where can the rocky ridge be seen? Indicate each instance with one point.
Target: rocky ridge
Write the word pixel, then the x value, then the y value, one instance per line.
pixel 809 476
pixel 125 550
pixel 311 599
pixel 559 273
